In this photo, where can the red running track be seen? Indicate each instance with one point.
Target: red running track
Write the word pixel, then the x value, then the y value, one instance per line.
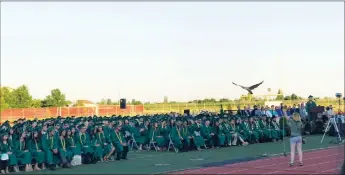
pixel 324 161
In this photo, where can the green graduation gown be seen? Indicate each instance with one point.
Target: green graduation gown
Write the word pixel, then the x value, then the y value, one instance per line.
pixel 226 131
pixel 276 132
pixel 206 134
pixel 175 135
pixel 219 131
pixel 72 146
pixel 48 144
pixel 244 131
pixel 35 147
pixel 266 129
pixel 186 135
pixel 138 136
pixel 105 144
pixel 197 137
pixel 117 140
pixel 63 151
pixel 21 150
pixel 5 148
pixel 84 140
pixel 156 136
pixel 259 130
pixel 165 133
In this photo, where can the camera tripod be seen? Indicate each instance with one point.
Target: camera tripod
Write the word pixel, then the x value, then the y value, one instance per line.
pixel 332 121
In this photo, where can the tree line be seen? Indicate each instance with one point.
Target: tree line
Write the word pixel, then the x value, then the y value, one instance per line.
pixel 20 97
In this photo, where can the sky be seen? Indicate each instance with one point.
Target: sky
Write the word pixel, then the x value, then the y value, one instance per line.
pixel 183 50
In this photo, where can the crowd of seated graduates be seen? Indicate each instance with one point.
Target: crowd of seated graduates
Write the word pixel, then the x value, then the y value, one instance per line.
pixel 55 142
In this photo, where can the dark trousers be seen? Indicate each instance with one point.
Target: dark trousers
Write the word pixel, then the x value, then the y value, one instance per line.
pixel 62 157
pixel 3 164
pixel 123 154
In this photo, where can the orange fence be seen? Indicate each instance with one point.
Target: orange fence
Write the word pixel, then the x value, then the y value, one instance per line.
pixel 42 113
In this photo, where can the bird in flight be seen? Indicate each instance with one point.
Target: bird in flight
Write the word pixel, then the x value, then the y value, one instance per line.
pixel 250 88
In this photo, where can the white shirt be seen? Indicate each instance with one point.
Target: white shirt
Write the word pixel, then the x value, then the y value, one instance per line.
pixel 268 113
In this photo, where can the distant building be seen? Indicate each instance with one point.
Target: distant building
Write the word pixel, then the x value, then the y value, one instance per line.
pixel 84 103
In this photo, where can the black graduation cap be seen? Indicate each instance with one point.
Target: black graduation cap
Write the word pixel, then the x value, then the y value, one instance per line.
pixel 310 96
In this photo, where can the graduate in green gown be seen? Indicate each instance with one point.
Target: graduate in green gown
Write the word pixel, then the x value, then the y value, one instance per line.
pixel 219 132
pixel 126 130
pixel 83 139
pixel 244 129
pixel 156 136
pixel 6 148
pixel 164 132
pixel 120 143
pixel 74 148
pixel 276 132
pixel 266 128
pixel 186 135
pixel 259 130
pixel 64 155
pixel 49 146
pixel 226 130
pixel 198 140
pixel 21 150
pixel 35 147
pixel 144 132
pixel 96 144
pixel 175 134
pixel 253 131
pixel 138 134
pixel 105 143
pixel 207 133
pixel 235 129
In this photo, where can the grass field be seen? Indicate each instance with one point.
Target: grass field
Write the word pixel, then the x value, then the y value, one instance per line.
pixel 165 162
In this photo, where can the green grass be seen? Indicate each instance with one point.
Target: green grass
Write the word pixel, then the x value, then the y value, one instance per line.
pixel 145 162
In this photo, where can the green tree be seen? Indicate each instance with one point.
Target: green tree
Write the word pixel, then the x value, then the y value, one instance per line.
pixel 44 104
pixel 280 97
pixel 134 102
pixel 6 93
pixel 109 102
pixel 294 97
pixel 19 98
pixel 36 103
pixel 224 100
pixel 102 102
pixel 287 97
pixel 280 92
pixel 56 99
pixel 3 104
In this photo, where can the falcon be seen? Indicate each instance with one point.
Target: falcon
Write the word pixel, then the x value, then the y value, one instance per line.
pixel 250 88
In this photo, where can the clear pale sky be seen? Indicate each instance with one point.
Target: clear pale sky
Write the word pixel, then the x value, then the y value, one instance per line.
pixel 184 50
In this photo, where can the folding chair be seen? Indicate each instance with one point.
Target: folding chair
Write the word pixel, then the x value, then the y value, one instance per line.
pixel 198 135
pixel 152 144
pixel 134 143
pixel 171 145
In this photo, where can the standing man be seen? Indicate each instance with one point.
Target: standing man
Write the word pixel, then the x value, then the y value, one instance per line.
pixel 310 104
